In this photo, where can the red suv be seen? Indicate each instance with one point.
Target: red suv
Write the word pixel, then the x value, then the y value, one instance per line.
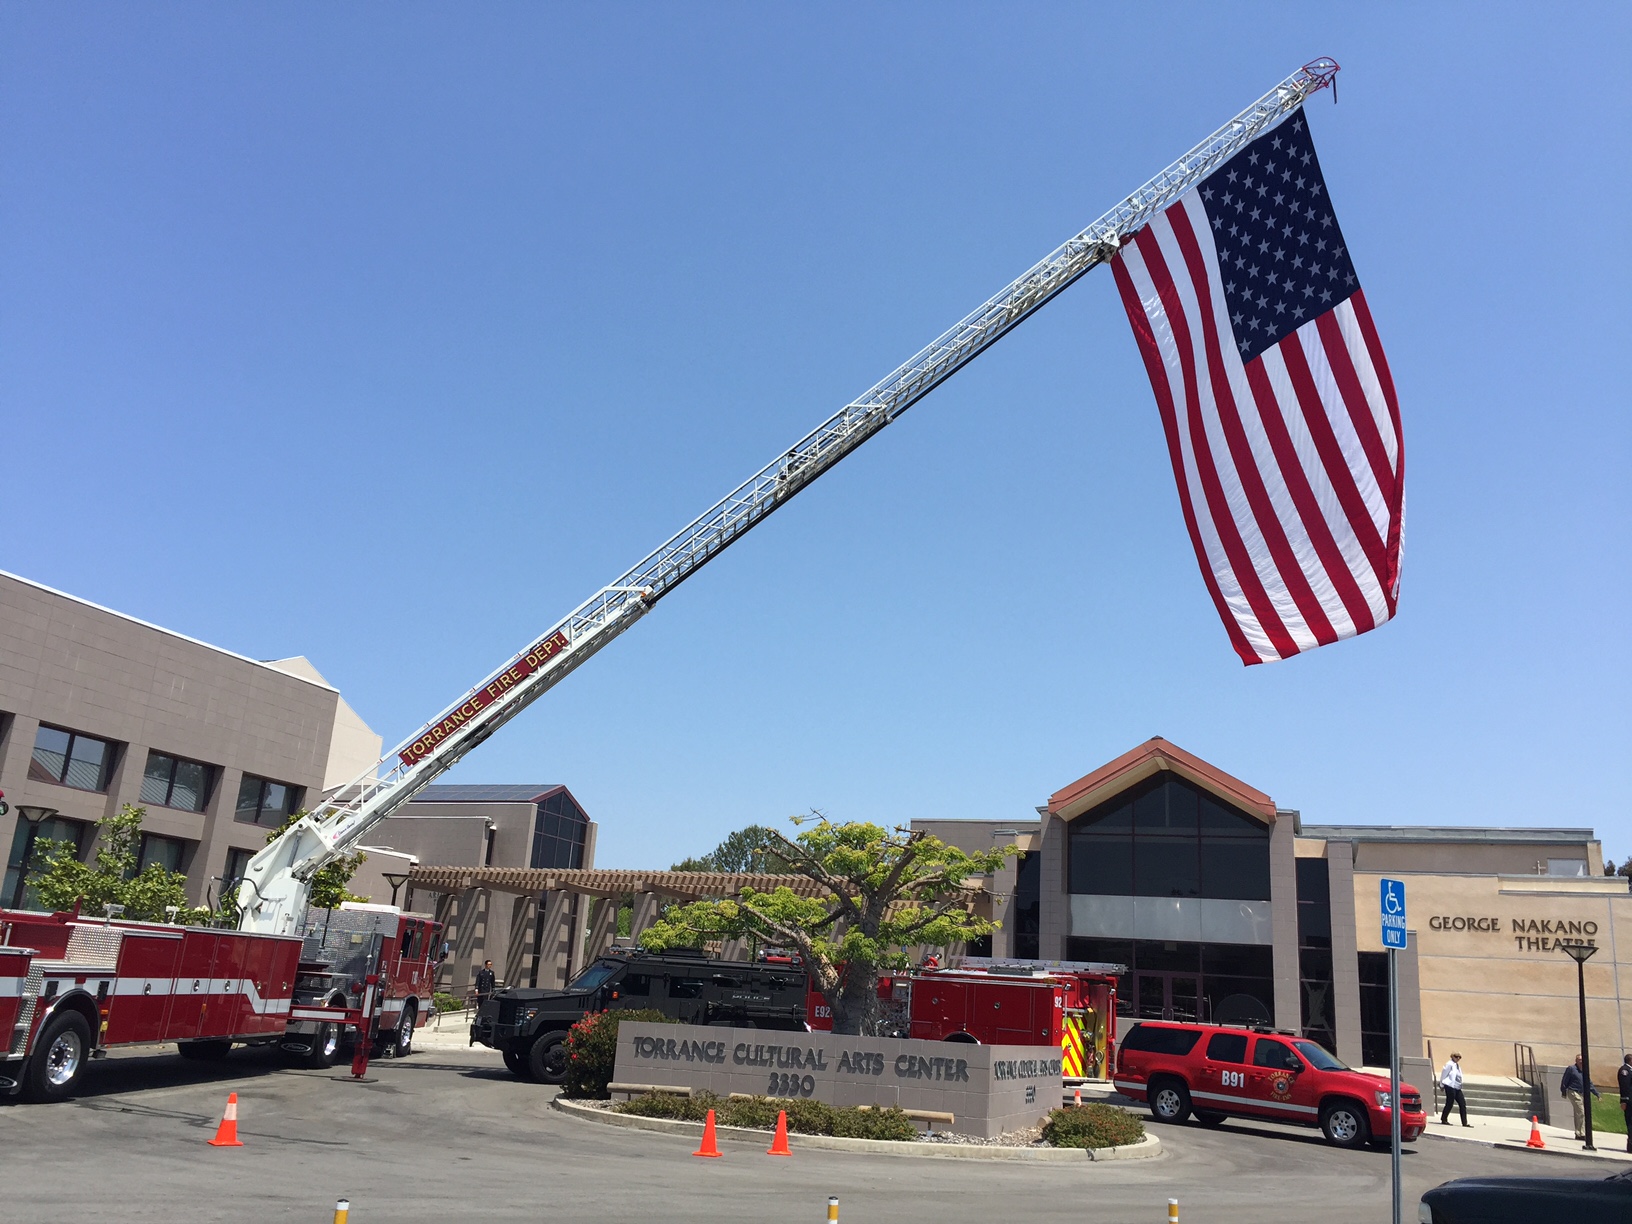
pixel 1216 1072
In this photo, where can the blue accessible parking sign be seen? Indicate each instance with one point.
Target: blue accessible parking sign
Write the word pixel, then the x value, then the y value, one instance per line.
pixel 1391 905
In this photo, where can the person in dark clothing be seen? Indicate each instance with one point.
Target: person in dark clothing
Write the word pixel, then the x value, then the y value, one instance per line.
pixel 1623 1076
pixel 1450 1083
pixel 485 983
pixel 1579 1093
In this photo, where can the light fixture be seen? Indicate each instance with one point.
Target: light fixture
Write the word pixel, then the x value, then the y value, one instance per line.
pixel 1581 953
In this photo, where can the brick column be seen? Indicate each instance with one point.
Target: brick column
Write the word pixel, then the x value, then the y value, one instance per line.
pixel 1053 899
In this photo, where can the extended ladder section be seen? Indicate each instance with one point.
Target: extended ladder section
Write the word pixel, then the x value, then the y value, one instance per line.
pixel 273 892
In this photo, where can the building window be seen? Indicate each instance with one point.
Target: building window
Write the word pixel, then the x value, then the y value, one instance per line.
pixel 1315 951
pixel 27 855
pixel 166 852
pixel 559 833
pixel 1167 838
pixel 1212 983
pixel 1374 1009
pixel 71 759
pixel 264 802
pixel 237 866
pixel 1028 910
pixel 174 783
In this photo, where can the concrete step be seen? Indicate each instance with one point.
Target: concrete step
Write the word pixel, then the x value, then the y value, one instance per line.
pixel 1496 1100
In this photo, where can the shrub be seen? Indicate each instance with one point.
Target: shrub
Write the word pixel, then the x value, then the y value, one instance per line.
pixel 759 1113
pixel 592 1050
pixel 1094 1125
pixel 444 1002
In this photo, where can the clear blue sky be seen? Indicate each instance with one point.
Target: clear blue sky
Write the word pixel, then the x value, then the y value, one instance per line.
pixel 386 334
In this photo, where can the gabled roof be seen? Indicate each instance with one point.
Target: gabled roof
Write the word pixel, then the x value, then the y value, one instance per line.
pixel 1132 768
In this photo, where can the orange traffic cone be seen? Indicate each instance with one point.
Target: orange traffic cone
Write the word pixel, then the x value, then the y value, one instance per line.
pixel 1077 1099
pixel 710 1147
pixel 779 1145
pixel 226 1135
pixel 1535 1135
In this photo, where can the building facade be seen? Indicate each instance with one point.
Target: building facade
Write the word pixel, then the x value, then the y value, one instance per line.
pixel 1228 908
pixel 99 709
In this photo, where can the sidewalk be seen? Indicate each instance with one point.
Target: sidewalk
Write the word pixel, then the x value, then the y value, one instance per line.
pixel 1513 1132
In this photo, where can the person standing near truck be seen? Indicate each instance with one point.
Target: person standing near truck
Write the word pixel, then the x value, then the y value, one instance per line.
pixel 485 983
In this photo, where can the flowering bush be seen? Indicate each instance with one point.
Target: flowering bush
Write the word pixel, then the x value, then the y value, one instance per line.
pixel 592 1049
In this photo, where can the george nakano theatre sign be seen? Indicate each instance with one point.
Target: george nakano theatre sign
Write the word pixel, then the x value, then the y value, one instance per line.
pixel 1528 934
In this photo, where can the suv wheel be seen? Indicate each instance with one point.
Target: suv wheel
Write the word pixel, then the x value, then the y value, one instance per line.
pixel 547 1060
pixel 1208 1118
pixel 1169 1100
pixel 1345 1124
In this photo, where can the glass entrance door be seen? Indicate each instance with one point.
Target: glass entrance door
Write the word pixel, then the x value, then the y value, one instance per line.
pixel 1168 996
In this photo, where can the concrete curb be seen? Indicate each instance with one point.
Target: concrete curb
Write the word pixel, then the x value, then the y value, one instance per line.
pixel 1146 1149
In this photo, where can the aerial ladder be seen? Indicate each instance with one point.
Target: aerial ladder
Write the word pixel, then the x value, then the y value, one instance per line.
pixel 273 892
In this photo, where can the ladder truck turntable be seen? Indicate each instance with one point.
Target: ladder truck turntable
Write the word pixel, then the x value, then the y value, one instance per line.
pixel 74 985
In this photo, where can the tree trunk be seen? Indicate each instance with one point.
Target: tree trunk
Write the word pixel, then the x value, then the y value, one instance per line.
pixel 856 999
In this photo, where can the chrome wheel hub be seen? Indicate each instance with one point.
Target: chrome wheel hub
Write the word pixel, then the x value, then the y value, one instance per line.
pixel 63 1058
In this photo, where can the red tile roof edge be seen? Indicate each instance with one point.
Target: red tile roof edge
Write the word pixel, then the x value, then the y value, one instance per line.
pixel 1226 786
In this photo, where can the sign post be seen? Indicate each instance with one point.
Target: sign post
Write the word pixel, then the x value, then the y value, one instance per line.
pixel 1391 910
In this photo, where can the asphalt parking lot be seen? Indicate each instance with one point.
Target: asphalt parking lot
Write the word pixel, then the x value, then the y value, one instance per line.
pixel 448 1135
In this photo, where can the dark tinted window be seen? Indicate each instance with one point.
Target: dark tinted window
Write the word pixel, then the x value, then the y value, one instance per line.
pixel 592 977
pixel 1274 1055
pixel 1227 1047
pixel 171 782
pixel 1156 1040
pixel 73 760
pixel 264 802
pixel 637 984
pixel 1167 867
pixel 685 988
pixel 1102 866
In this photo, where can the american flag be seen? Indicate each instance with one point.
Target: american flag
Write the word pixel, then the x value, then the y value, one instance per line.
pixel 1280 413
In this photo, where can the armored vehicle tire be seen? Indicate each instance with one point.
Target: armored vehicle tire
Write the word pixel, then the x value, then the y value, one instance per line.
pixel 325 1046
pixel 1169 1099
pixel 1345 1124
pixel 405 1030
pixel 517 1065
pixel 204 1051
pixel 59 1058
pixel 547 1059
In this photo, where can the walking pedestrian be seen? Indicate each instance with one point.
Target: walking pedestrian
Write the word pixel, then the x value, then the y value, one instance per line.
pixel 1623 1077
pixel 485 982
pixel 1450 1082
pixel 1576 1088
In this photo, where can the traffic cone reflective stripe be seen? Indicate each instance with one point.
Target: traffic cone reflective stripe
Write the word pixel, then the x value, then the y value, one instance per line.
pixel 226 1135
pixel 710 1147
pixel 1535 1135
pixel 779 1145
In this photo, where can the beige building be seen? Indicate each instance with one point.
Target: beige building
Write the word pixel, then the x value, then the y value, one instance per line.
pixel 1225 906
pixel 99 709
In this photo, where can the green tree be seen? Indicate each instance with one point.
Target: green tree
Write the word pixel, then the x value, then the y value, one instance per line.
pixel 112 879
pixel 750 850
pixel 881 891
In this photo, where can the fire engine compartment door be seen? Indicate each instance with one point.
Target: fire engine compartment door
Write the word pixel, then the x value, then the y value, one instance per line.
pixel 222 1013
pixel 193 970
pixel 140 1006
pixel 1005 1012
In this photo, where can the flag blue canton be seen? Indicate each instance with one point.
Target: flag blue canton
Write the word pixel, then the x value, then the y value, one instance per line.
pixel 1281 254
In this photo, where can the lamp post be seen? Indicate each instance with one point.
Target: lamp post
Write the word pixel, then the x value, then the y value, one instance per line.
pixel 396 879
pixel 1580 953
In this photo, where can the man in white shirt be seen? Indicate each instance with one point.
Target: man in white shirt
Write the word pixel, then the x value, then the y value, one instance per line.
pixel 1450 1083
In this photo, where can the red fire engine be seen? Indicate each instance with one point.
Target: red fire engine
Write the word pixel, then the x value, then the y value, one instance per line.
pixel 73 987
pixel 1069 1005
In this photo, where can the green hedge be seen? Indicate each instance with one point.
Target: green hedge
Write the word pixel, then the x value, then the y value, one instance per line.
pixel 759 1113
pixel 1092 1126
pixel 592 1050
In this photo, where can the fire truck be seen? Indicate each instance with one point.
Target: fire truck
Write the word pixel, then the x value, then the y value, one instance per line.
pixel 94 966
pixel 1068 1005
pixel 73 987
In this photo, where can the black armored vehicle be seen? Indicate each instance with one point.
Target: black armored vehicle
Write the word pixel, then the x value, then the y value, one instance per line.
pixel 530 1026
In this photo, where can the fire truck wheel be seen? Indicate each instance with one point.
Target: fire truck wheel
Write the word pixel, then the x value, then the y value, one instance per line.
pixel 405 1030
pixel 517 1065
pixel 58 1058
pixel 204 1051
pixel 325 1046
pixel 547 1060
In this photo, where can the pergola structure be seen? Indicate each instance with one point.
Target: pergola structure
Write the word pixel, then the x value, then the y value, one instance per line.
pixel 549 905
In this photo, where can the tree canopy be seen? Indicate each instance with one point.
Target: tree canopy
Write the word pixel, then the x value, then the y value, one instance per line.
pixel 750 850
pixel 880 891
pixel 112 878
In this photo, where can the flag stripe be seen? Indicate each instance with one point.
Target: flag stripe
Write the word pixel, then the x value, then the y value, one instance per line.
pixel 1385 381
pixel 1157 372
pixel 1354 399
pixel 1261 519
pixel 1194 428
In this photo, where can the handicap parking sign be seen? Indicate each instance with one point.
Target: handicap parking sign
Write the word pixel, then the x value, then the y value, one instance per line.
pixel 1391 906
